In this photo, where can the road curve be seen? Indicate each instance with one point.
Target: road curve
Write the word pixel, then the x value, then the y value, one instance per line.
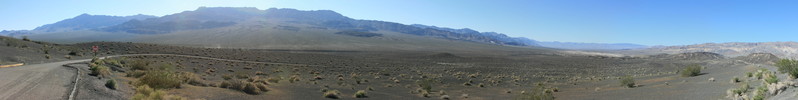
pixel 47 81
pixel 51 81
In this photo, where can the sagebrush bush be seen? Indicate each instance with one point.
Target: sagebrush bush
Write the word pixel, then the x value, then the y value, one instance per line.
pixel 161 79
pixel 425 84
pixel 192 79
pixel 100 71
pixel 139 65
pixel 770 78
pixel 627 81
pixel 742 89
pixel 111 84
pixel 245 86
pixel 788 66
pixel 136 73
pixel 691 70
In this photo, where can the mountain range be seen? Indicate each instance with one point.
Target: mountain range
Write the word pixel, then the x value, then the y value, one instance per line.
pixel 236 20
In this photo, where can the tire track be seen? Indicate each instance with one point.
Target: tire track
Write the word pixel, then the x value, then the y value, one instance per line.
pixel 14 83
pixel 28 87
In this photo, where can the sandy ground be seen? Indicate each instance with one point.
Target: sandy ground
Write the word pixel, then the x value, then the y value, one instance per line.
pixel 46 81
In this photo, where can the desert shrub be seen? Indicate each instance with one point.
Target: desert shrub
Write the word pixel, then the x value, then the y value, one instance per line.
pixel 742 89
pixel 227 76
pixel 146 93
pixel 100 71
pixel 111 84
pixel 294 78
pixel 67 57
pixel 241 75
pixel 139 65
pixel 759 94
pixel 735 80
pixel 160 79
pixel 273 80
pixel 770 78
pixel 47 56
pixel 245 86
pixel 691 70
pixel 425 84
pixel 788 66
pixel 136 73
pixel 360 94
pixel 749 74
pixel 539 92
pixel 627 81
pixel 250 88
pixel 25 38
pixel 334 94
pixel 192 79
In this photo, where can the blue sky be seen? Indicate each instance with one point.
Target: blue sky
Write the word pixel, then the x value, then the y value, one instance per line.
pixel 648 22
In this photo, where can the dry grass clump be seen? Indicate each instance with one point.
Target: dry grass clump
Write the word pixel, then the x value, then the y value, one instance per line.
pixel 249 87
pixel 294 78
pixel 333 94
pixel 738 92
pixel 192 79
pixel 144 92
pixel 360 94
pixel 425 84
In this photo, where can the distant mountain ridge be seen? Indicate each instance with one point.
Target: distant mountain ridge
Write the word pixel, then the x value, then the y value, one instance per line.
pixel 530 42
pixel 210 18
pixel 501 37
pixel 86 21
pixel 592 46
pixel 216 17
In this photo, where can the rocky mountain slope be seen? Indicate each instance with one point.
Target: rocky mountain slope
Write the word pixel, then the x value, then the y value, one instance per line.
pixel 734 49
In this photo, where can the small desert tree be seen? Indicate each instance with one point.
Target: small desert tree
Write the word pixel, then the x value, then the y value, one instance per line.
pixel 691 70
pixel 788 66
pixel 627 81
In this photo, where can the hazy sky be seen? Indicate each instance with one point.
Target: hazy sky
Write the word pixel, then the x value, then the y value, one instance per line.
pixel 649 22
